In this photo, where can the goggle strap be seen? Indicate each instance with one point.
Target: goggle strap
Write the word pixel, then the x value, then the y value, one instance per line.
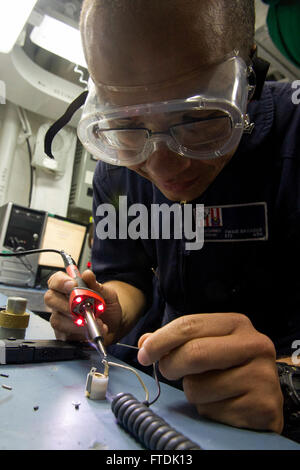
pixel 62 122
pixel 261 68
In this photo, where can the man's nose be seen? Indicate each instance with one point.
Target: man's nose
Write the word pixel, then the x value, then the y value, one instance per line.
pixel 164 163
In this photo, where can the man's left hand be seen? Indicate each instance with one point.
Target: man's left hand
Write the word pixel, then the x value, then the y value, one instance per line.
pixel 228 368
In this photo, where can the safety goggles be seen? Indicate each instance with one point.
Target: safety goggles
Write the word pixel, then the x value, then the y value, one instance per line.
pixel 205 125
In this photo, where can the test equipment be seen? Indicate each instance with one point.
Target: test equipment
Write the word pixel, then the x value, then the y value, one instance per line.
pixel 21 229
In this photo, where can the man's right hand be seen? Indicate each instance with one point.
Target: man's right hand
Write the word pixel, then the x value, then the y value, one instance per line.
pixel 62 321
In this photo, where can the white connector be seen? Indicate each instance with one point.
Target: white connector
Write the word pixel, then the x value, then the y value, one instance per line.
pixel 96 385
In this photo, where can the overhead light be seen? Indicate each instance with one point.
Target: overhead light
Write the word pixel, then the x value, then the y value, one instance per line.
pixel 59 38
pixel 13 17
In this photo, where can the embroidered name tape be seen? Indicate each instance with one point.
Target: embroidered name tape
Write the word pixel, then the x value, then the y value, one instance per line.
pixel 232 223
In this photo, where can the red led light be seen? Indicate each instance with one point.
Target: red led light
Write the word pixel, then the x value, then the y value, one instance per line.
pixel 79 322
pixel 78 300
pixel 100 307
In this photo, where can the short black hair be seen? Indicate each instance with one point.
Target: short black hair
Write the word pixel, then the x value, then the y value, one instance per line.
pixel 241 21
pixel 239 16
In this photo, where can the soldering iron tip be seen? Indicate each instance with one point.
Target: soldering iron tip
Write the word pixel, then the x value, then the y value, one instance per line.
pixel 101 348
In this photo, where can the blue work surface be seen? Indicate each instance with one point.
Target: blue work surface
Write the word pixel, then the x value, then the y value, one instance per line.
pixel 55 387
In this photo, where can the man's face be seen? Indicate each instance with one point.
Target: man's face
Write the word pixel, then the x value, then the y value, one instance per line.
pixel 178 178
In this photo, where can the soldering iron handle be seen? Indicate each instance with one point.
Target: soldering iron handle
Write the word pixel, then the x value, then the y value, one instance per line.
pixel 72 270
pixel 81 283
pixel 74 273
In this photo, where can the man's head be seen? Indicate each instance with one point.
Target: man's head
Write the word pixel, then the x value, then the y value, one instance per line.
pixel 131 43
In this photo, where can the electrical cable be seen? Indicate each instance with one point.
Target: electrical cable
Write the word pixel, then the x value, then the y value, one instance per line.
pixel 18 249
pixel 26 264
pixel 148 428
pixel 31 252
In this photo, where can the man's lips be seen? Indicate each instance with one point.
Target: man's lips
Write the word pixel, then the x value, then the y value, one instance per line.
pixel 176 185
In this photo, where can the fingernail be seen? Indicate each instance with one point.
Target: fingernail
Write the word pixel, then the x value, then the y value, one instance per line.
pixel 143 357
pixel 68 286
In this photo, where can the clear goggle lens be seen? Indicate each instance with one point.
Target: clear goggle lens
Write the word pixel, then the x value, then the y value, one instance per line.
pixel 199 134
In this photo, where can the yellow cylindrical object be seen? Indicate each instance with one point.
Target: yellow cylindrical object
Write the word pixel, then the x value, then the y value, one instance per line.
pixel 15 315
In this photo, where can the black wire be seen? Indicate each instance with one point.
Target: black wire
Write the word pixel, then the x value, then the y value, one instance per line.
pixel 28 266
pixel 157 384
pixel 31 252
pixel 147 403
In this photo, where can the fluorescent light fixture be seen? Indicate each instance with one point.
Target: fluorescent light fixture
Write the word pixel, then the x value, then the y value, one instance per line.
pixel 60 39
pixel 13 17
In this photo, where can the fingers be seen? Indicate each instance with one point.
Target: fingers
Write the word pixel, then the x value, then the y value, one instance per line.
pixel 244 412
pixel 186 328
pixel 143 339
pixel 215 386
pixel 248 396
pixel 57 298
pixel 107 293
pixel 57 301
pixel 233 410
pixel 204 354
pixel 64 327
pixel 228 368
pixel 61 282
pixel 90 279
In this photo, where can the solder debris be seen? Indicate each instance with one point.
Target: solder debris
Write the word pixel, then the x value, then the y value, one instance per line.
pixel 7 387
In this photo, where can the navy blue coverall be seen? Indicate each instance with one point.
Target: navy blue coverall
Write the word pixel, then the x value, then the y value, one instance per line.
pixel 250 261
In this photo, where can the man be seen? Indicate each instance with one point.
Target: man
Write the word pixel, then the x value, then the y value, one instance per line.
pixel 230 302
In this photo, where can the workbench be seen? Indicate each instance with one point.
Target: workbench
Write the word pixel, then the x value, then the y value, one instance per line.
pixel 39 412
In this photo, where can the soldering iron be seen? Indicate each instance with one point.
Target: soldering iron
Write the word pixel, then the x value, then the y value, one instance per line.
pixel 85 304
pixel 135 417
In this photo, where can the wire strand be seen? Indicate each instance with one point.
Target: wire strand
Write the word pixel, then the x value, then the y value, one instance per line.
pixel 157 384
pixel 154 374
pixel 115 364
pixel 127 345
